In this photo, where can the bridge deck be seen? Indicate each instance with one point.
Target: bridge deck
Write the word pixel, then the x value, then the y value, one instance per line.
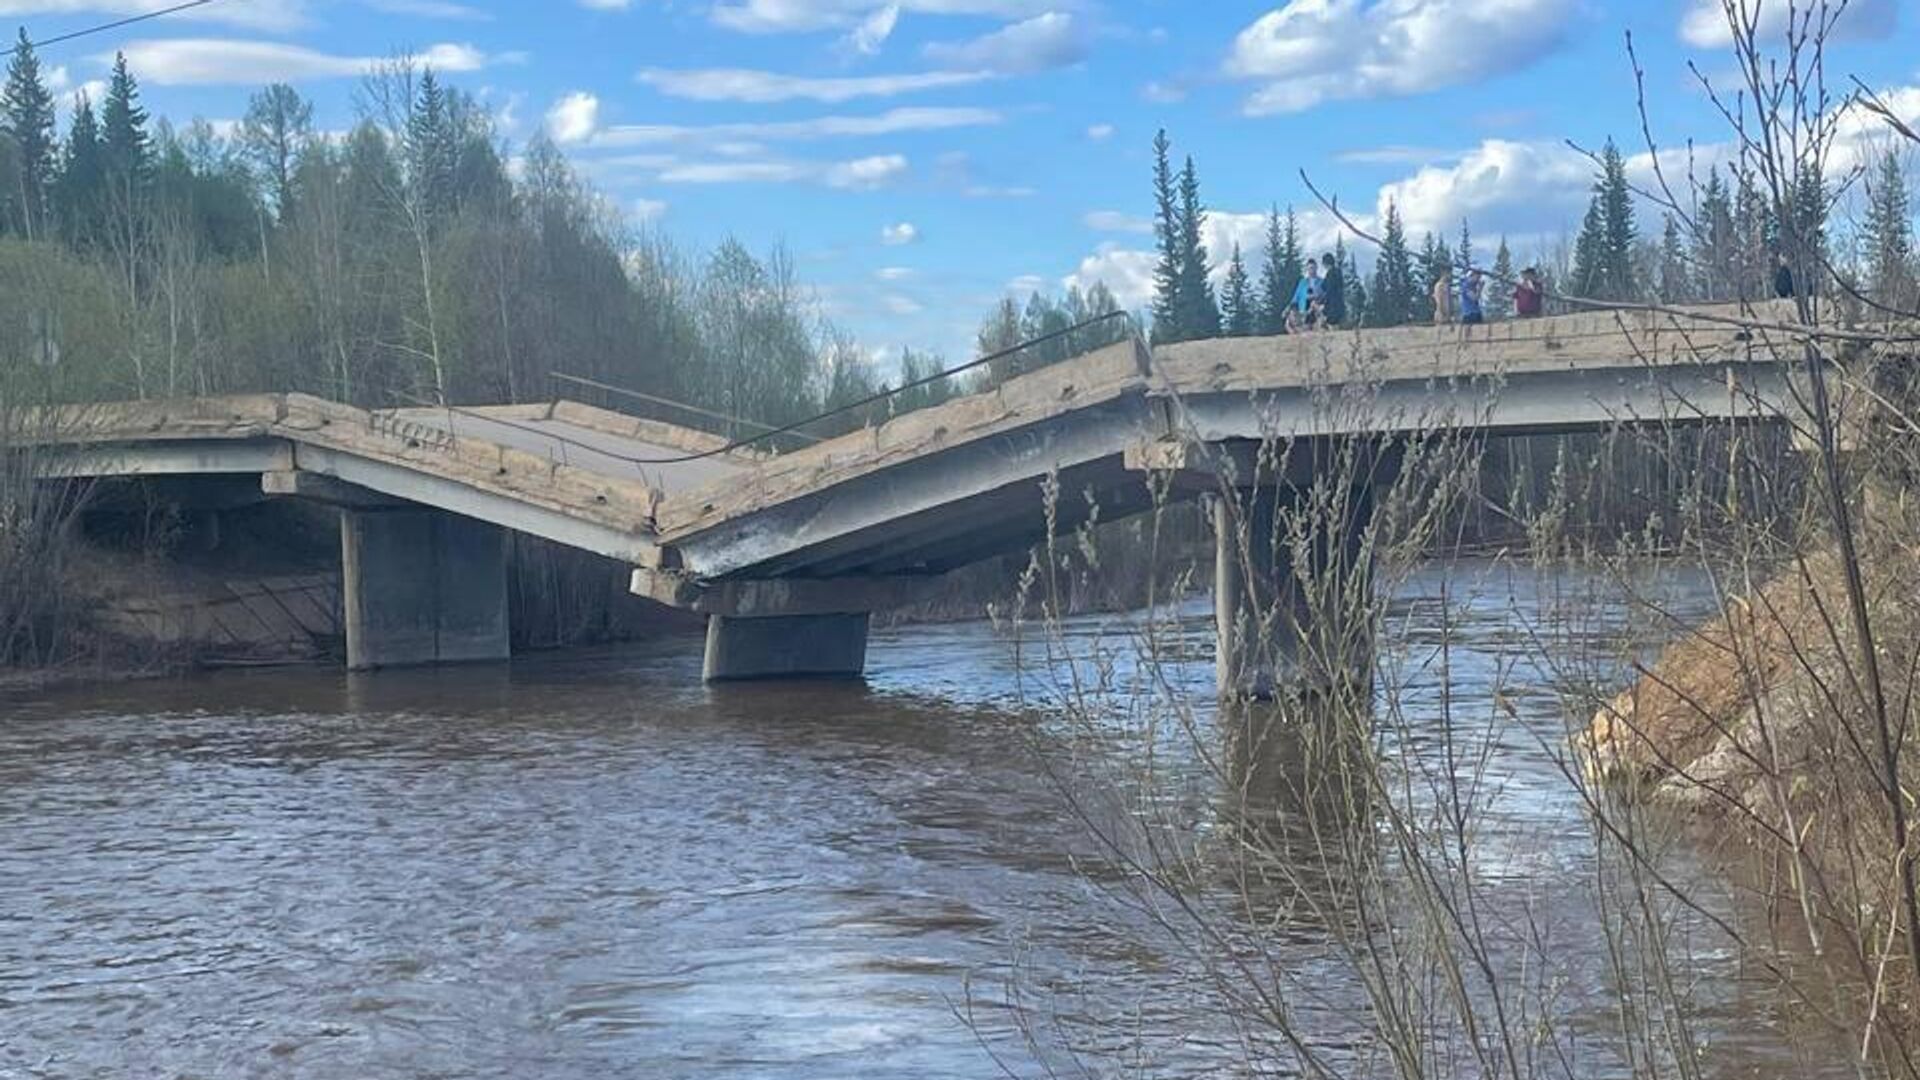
pixel 933 489
pixel 667 461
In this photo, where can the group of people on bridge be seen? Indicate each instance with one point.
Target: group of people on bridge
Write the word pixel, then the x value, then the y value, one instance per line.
pixel 1320 300
pixel 1320 303
pixel 1466 300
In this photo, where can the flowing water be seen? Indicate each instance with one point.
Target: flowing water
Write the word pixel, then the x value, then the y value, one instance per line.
pixel 589 865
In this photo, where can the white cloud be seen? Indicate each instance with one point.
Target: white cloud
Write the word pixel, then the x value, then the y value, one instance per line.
pixel 1128 273
pixel 1528 187
pixel 429 9
pixel 228 62
pixel 893 273
pixel 867 173
pixel 1041 43
pixel 1704 25
pixel 891 122
pixel 872 33
pixel 574 118
pixel 607 5
pixel 765 87
pixel 900 235
pixel 1312 51
pixel 1100 133
pixel 1115 221
pixel 901 305
pixel 646 210
pixel 793 16
pixel 863 174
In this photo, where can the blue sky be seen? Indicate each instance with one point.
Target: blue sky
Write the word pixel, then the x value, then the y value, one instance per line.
pixel 920 158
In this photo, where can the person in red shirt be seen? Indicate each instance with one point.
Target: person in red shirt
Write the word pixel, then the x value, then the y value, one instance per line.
pixel 1528 296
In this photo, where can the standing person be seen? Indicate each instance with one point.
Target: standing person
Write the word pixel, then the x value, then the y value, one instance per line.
pixel 1528 296
pixel 1783 284
pixel 1442 294
pixel 1471 292
pixel 1333 293
pixel 1306 297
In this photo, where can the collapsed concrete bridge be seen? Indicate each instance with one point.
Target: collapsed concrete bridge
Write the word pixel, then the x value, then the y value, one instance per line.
pixel 788 555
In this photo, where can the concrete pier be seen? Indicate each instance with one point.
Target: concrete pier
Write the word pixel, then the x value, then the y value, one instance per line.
pixel 422 587
pixel 786 647
pixel 1280 625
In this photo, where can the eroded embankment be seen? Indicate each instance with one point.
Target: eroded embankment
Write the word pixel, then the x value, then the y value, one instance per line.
pixel 1765 720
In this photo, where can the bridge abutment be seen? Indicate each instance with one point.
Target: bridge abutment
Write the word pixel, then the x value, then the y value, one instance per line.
pixel 786 647
pixel 422 587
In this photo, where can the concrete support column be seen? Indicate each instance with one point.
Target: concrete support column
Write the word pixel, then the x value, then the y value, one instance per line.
pixel 423 587
pixel 786 647
pixel 1292 590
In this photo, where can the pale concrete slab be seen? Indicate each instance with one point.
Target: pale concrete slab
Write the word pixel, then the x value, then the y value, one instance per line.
pixel 657 462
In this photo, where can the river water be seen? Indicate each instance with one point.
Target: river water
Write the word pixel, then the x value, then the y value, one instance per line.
pixel 589 865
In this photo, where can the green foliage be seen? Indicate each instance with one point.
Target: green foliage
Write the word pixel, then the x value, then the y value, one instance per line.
pixel 1499 302
pixel 396 264
pixel 1184 305
pixel 1887 235
pixel 1676 274
pixel 27 129
pixel 1394 297
pixel 1239 312
pixel 1280 271
pixel 1603 254
pixel 1011 327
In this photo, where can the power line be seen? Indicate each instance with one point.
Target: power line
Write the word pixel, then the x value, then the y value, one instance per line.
pixel 115 25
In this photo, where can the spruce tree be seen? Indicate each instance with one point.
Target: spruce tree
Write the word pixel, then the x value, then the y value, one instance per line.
pixel 1463 255
pixel 1888 236
pixel 126 150
pixel 1239 311
pixel 1391 299
pixel 1353 291
pixel 1676 276
pixel 1435 262
pixel 80 189
pixel 1617 210
pixel 1499 302
pixel 1756 236
pixel 433 148
pixel 1166 309
pixel 1200 314
pixel 1603 253
pixel 1809 199
pixel 1280 273
pixel 1715 257
pixel 27 120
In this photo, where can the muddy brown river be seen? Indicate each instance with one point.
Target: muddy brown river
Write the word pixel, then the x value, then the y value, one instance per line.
pixel 588 865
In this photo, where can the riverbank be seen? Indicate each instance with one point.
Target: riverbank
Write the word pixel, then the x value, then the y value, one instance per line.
pixel 1768 725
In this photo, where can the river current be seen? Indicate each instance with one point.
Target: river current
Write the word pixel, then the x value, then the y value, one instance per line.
pixel 589 865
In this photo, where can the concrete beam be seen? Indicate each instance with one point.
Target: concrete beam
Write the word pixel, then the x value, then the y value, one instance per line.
pixel 422 587
pixel 427 490
pixel 326 490
pixel 790 647
pixel 914 492
pixel 187 457
pixel 780 597
pixel 1533 403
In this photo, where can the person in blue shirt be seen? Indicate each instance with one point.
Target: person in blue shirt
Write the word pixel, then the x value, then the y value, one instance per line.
pixel 1472 289
pixel 1306 300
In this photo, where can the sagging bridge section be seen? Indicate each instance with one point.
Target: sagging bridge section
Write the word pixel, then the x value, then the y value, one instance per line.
pixel 789 554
